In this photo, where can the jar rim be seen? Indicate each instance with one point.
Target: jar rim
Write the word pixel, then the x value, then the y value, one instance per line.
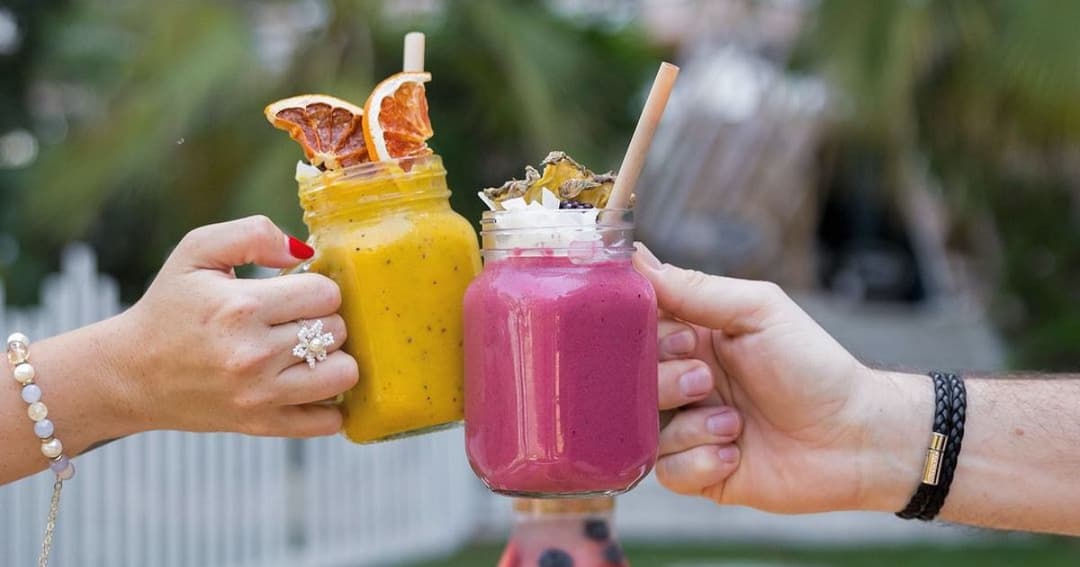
pixel 398 168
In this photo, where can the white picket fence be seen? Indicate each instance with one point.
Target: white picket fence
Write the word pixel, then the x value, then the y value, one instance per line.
pixel 174 499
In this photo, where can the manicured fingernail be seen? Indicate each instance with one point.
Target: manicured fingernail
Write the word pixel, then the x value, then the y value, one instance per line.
pixel 647 257
pixel 723 423
pixel 696 382
pixel 677 344
pixel 299 249
pixel 728 453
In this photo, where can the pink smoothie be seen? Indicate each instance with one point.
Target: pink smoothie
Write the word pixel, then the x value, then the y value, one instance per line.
pixel 560 376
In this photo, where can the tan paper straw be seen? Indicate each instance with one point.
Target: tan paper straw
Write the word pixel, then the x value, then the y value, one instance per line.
pixel 643 135
pixel 414 52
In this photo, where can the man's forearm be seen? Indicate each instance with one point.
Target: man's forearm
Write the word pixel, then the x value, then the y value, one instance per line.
pixel 1020 463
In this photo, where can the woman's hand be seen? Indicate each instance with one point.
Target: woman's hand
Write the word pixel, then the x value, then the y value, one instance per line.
pixel 209 352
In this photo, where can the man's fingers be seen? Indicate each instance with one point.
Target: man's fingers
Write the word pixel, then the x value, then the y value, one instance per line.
pixel 683 382
pixel 691 472
pixel 700 426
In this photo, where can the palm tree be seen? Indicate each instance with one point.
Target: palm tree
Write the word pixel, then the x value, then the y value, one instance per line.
pixel 988 94
pixel 159 109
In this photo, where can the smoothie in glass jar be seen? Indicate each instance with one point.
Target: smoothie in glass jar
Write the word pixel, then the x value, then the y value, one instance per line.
pixel 385 232
pixel 377 206
pixel 560 353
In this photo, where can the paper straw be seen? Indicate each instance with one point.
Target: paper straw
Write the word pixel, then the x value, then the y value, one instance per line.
pixel 643 135
pixel 414 52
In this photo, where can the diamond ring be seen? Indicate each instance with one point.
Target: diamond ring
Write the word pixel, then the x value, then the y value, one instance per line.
pixel 313 342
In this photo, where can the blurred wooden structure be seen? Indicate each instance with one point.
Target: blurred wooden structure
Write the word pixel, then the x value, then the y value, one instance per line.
pixel 731 183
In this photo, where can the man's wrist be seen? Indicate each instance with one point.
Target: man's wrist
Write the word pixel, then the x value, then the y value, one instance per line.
pixel 898 415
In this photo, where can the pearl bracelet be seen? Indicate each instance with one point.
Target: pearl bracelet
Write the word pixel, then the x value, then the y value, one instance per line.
pixel 18 351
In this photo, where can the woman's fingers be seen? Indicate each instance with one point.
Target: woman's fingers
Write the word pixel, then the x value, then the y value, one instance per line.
pixel 292 297
pixel 675 339
pixel 683 382
pixel 314 420
pixel 284 338
pixel 693 471
pixel 717 425
pixel 299 384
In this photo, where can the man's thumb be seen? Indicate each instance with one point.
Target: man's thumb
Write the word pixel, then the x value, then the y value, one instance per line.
pixel 731 305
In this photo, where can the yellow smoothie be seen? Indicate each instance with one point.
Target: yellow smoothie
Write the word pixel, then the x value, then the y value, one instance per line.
pixel 403 258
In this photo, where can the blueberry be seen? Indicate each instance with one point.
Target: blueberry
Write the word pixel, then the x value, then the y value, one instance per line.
pixel 614 554
pixel 556 558
pixel 575 205
pixel 597 529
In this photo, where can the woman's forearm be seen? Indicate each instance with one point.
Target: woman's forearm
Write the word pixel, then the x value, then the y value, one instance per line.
pixel 80 375
pixel 1019 467
pixel 201 351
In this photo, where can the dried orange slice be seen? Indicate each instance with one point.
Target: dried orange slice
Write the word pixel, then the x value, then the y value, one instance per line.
pixel 397 122
pixel 329 129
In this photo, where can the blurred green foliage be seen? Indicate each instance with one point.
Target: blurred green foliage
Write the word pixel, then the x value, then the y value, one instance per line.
pixel 987 94
pixel 148 116
pixel 150 113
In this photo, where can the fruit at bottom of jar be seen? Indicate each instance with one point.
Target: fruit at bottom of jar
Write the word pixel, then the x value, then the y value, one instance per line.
pixel 614 554
pixel 556 558
pixel 568 542
pixel 596 529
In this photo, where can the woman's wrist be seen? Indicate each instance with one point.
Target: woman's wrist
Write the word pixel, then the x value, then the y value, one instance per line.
pixel 121 374
pixel 95 366
pixel 897 418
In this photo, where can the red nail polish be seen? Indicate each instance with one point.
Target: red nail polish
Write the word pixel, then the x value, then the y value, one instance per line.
pixel 299 249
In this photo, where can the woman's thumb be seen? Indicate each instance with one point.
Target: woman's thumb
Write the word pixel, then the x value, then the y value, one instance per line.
pixel 251 240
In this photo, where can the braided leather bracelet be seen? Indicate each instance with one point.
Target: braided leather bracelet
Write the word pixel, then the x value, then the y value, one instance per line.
pixel 950 409
pixel 939 436
pixel 957 416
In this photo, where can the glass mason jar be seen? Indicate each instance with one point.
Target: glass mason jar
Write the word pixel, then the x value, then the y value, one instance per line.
pixel 563 533
pixel 403 258
pixel 560 357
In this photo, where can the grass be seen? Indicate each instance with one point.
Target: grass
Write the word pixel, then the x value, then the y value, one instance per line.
pixel 1041 551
